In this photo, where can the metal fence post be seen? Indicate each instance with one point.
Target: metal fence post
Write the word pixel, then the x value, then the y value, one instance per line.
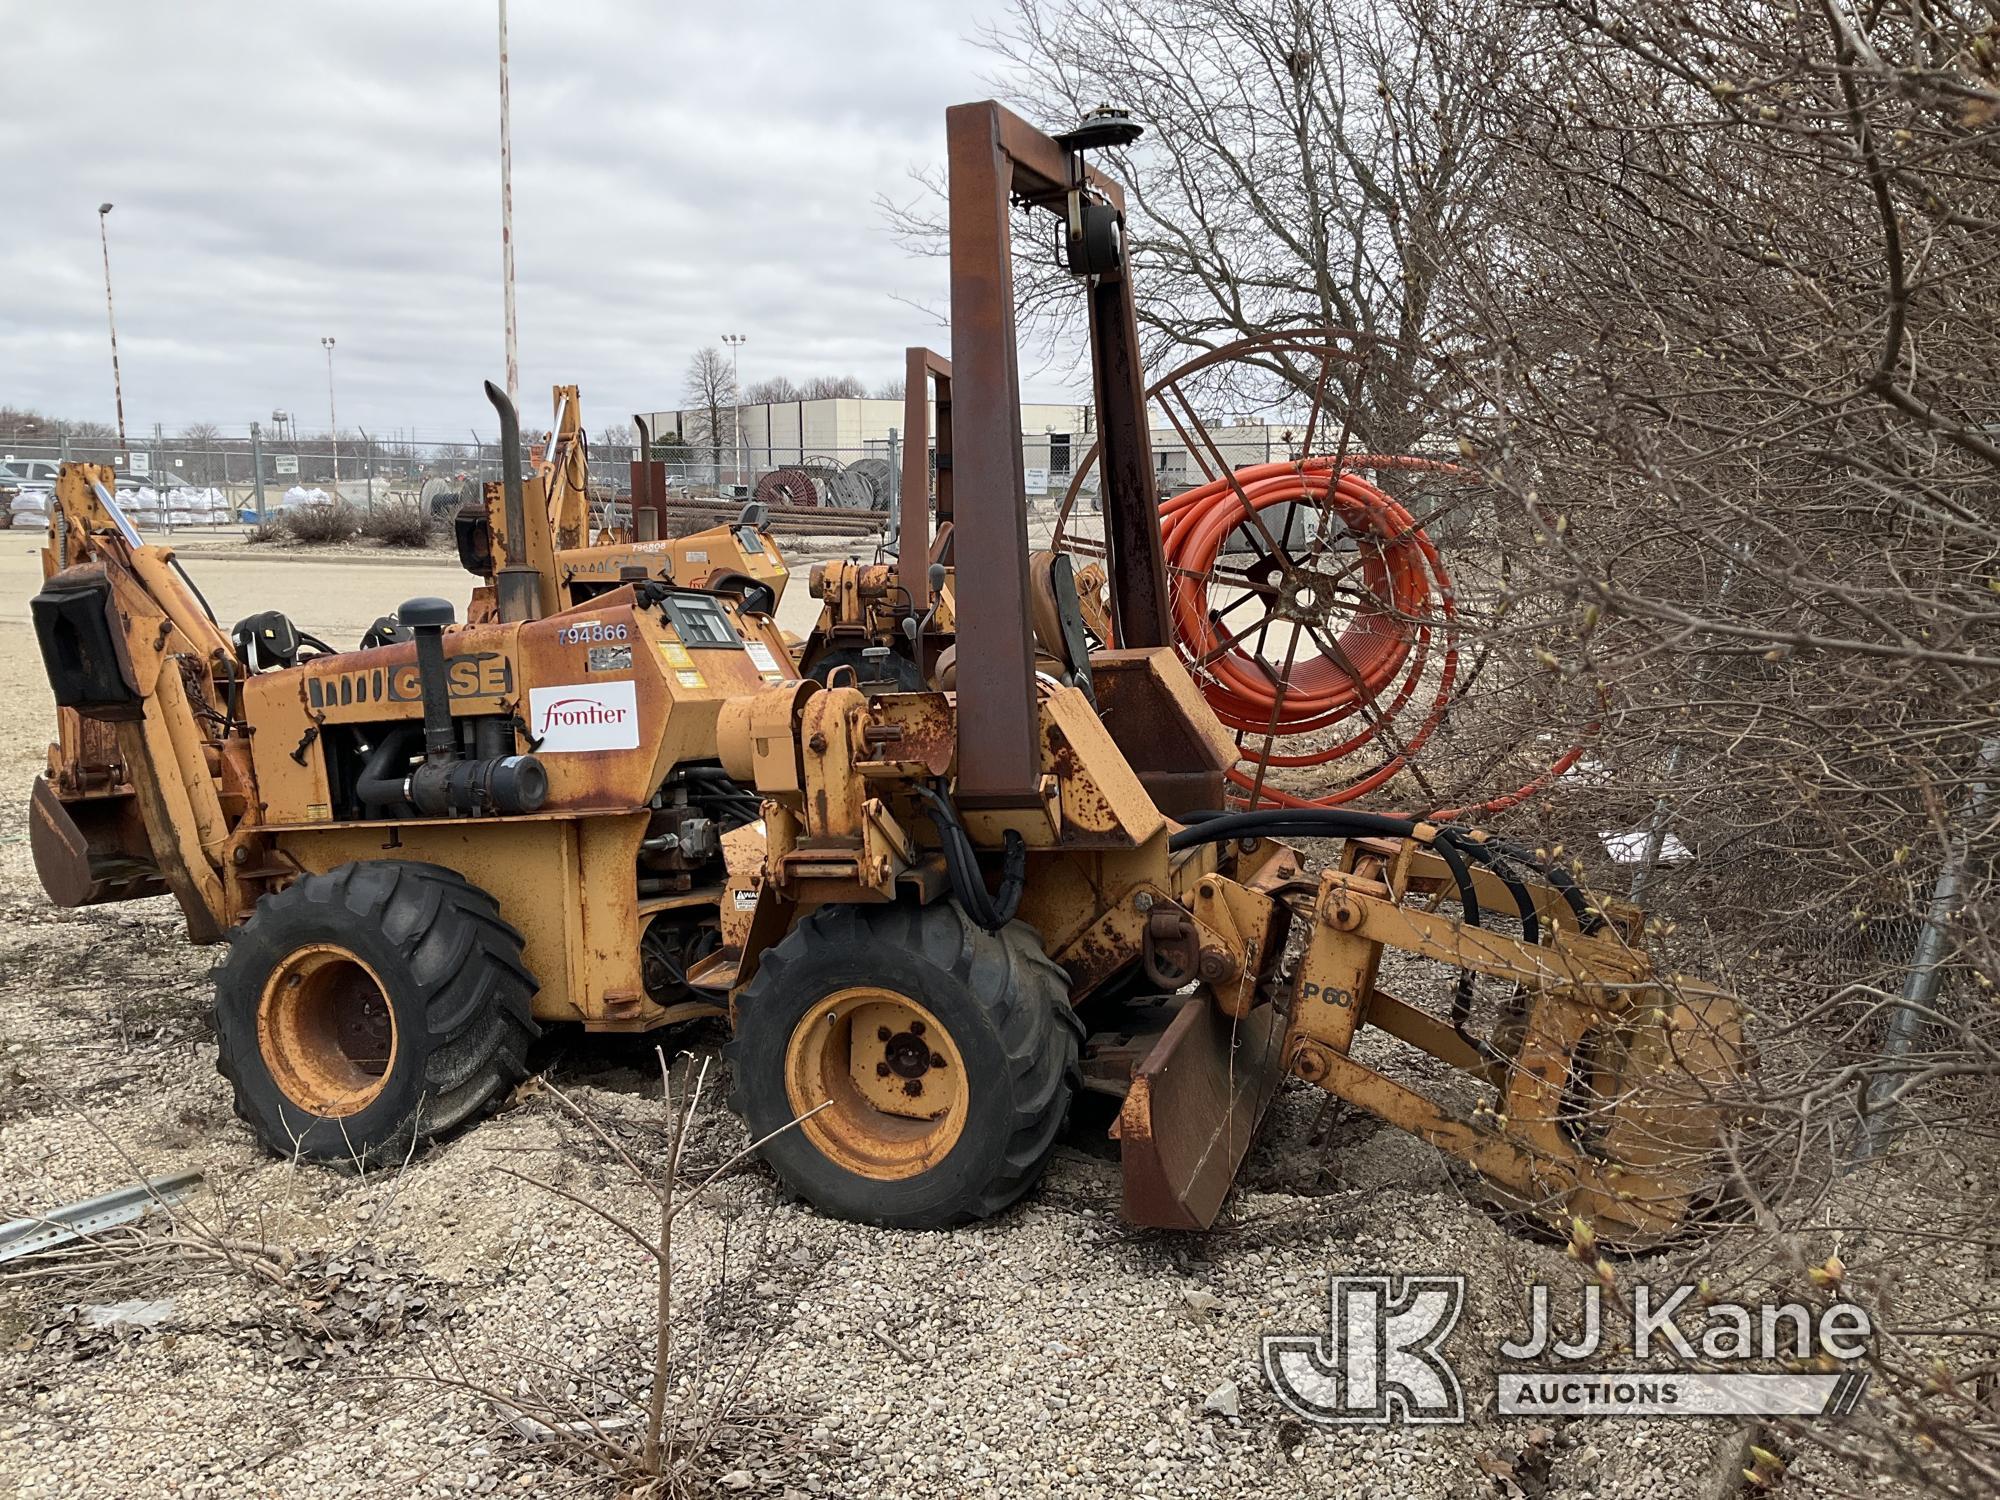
pixel 257 469
pixel 368 464
pixel 895 530
pixel 1926 970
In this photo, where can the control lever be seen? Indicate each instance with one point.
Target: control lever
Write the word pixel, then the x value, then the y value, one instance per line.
pixel 915 628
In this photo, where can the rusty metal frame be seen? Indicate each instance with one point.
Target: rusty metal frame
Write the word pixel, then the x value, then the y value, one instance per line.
pixel 996 159
pixel 923 369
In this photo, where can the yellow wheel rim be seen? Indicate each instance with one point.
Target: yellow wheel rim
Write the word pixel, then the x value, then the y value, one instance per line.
pixel 885 1078
pixel 326 1030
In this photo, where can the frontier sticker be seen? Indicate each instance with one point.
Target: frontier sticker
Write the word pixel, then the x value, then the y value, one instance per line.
pixel 584 716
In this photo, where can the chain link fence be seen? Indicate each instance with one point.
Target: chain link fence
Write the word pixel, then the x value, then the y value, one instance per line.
pixel 248 476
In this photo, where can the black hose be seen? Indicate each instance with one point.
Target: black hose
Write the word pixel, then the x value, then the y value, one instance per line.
pixel 1463 991
pixel 961 864
pixel 1319 822
pixel 722 793
pixel 1589 919
pixel 379 790
pixel 1487 855
pixel 192 589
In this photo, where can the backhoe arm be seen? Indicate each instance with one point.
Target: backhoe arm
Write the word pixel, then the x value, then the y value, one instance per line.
pixel 129 645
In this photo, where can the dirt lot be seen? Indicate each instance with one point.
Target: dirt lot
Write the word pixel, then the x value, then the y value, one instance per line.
pixel 370 1351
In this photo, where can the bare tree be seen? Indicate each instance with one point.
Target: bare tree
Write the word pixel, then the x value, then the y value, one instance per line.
pixel 831 387
pixel 1306 161
pixel 815 388
pixel 711 398
pixel 767 392
pixel 1734 365
pixel 203 461
pixel 890 390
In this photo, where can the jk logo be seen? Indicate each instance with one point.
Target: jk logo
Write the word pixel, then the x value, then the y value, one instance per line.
pixel 1380 1359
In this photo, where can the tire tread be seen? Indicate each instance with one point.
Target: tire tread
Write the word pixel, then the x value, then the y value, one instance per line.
pixel 476 993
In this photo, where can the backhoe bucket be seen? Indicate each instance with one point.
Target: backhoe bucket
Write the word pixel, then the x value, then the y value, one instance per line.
pixel 91 851
pixel 1194 1106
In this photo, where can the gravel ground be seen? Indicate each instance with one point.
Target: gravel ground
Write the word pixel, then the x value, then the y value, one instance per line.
pixel 398 1317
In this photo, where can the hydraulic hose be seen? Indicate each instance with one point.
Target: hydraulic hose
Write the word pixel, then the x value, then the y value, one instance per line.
pixel 961 863
pixel 1588 918
pixel 1489 856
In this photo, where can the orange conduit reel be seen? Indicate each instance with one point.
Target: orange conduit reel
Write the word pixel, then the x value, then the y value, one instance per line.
pixel 1368 615
pixel 1354 594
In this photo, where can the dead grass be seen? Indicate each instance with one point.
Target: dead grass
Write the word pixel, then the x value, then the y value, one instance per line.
pixel 321 523
pixel 396 524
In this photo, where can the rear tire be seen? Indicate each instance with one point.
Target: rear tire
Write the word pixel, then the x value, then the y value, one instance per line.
pixel 860 1002
pixel 369 1009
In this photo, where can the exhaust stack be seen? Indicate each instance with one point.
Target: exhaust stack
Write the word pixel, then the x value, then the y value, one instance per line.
pixel 516 585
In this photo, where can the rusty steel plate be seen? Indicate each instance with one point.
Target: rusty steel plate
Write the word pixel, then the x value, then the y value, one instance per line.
pixel 1193 1110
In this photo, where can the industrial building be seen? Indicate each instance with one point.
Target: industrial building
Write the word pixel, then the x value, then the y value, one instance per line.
pixel 757 438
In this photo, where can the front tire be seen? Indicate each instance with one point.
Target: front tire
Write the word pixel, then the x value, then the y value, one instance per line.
pixel 371 1008
pixel 941 1060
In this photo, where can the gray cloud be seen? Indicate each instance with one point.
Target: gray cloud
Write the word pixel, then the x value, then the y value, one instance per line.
pixel 286 171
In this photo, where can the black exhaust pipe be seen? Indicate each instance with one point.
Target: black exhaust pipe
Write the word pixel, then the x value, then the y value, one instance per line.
pixel 446 784
pixel 517 586
pixel 426 619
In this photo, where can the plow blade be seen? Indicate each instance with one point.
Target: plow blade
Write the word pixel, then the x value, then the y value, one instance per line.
pixel 1193 1109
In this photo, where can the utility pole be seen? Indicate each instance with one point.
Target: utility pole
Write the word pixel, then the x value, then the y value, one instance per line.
pixel 507 218
pixel 736 341
pixel 111 315
pixel 332 427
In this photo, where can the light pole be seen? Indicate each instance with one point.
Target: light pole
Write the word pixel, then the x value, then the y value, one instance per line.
pixel 332 427
pixel 507 218
pixel 111 315
pixel 736 341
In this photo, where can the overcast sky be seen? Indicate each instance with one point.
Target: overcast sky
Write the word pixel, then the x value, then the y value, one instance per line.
pixel 286 171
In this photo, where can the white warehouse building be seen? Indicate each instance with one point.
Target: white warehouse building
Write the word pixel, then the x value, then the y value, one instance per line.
pixel 763 436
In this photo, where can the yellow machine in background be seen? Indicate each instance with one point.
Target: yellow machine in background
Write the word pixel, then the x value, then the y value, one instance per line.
pixel 895 622
pixel 572 559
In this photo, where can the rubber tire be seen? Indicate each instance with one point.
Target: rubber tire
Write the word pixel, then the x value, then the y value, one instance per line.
pixel 1006 1005
pixel 452 973
pixel 903 674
